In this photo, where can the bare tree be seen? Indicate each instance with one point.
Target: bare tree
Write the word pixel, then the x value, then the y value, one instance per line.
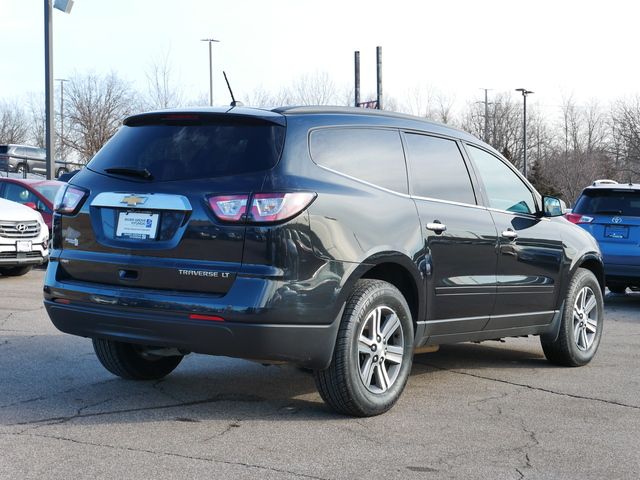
pixel 95 106
pixel 162 90
pixel 625 119
pixel 14 127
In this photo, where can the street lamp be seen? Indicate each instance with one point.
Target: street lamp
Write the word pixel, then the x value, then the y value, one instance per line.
pixel 524 92
pixel 210 40
pixel 62 80
pixel 64 6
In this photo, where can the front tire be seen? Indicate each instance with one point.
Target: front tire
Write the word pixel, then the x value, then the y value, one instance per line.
pixel 15 271
pixel 131 362
pixel 373 352
pixel 581 324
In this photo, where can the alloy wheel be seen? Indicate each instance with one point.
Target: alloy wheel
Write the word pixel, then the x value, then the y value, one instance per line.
pixel 380 349
pixel 585 319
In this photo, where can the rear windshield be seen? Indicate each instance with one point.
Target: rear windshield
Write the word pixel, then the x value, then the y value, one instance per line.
pixel 609 202
pixel 4 148
pixel 193 150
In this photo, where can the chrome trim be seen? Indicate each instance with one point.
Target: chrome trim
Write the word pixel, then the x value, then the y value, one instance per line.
pixel 450 202
pixel 436 227
pixel 463 319
pixel 154 201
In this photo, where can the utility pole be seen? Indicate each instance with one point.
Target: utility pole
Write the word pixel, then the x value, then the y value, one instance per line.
pixel 356 61
pixel 524 92
pixel 486 114
pixel 48 91
pixel 210 40
pixel 62 80
pixel 379 75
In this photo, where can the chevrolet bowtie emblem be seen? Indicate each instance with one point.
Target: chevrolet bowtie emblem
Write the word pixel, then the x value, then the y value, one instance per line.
pixel 133 200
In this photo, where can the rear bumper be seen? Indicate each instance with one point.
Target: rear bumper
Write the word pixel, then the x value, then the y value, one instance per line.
pixel 307 345
pixel 260 322
pixel 622 273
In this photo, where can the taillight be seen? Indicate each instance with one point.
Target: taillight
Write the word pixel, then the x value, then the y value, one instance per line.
pixel 69 200
pixel 578 218
pixel 265 207
pixel 229 208
pixel 275 207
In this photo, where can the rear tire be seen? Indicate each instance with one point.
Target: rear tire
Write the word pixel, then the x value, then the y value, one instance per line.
pixel 130 362
pixel 619 288
pixel 373 352
pixel 15 271
pixel 581 323
pixel 22 168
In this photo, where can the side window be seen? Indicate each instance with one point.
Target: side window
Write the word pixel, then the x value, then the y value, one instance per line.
pixel 18 194
pixel 438 169
pixel 505 190
pixel 372 155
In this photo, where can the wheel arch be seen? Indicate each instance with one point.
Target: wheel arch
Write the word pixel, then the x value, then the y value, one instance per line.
pixel 400 271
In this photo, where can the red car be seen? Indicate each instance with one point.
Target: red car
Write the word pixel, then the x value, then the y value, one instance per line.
pixel 37 194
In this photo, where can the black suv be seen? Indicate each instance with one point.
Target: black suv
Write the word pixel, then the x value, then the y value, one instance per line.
pixel 340 240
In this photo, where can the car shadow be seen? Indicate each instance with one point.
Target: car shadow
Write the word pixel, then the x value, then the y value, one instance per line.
pixel 64 382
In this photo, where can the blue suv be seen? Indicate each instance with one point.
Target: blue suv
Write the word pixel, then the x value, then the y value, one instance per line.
pixel 610 212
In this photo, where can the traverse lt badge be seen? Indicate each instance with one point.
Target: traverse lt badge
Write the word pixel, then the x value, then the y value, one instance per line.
pixel 133 200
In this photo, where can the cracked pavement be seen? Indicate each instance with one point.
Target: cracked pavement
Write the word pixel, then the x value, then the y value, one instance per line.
pixel 486 411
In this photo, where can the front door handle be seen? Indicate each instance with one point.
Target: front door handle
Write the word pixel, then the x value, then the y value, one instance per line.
pixel 436 226
pixel 510 234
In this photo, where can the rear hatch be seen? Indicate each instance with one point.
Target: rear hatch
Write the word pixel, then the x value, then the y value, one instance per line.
pixel 612 216
pixel 147 221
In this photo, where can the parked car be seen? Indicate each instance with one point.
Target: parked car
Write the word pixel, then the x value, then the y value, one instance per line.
pixel 340 240
pixel 610 211
pixel 25 158
pixel 37 194
pixel 24 239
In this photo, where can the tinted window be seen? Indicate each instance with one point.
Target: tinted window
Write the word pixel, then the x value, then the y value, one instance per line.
pixel 4 148
pixel 438 169
pixel 609 202
pixel 188 151
pixel 372 155
pixel 505 190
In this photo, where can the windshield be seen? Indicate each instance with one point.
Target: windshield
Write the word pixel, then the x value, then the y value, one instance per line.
pixel 609 202
pixel 193 150
pixel 48 190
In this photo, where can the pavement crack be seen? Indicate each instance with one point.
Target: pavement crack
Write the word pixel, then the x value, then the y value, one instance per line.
pixel 214 399
pixel 170 454
pixel 531 387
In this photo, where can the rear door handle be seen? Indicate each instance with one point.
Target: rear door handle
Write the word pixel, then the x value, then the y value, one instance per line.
pixel 436 226
pixel 510 234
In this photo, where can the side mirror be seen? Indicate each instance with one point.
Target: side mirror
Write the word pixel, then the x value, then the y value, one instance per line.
pixel 30 205
pixel 553 207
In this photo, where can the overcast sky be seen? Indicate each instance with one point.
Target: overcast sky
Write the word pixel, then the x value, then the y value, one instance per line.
pixel 555 48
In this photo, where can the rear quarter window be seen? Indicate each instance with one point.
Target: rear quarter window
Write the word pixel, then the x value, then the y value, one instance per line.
pixel 369 154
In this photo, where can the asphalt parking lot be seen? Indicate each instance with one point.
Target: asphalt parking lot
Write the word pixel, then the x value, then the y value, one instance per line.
pixel 491 411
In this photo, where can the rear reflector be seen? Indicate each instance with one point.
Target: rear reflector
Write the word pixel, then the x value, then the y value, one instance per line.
pixel 211 318
pixel 63 301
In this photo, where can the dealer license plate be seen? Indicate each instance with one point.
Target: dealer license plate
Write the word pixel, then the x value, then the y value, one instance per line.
pixel 616 231
pixel 23 246
pixel 142 226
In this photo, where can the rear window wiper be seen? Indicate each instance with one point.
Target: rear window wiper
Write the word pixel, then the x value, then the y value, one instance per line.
pixel 131 172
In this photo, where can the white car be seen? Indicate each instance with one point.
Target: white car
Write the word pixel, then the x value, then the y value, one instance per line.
pixel 24 238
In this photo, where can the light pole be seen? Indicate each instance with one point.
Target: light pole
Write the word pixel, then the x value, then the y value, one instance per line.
pixel 64 6
pixel 210 41
pixel 524 92
pixel 62 80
